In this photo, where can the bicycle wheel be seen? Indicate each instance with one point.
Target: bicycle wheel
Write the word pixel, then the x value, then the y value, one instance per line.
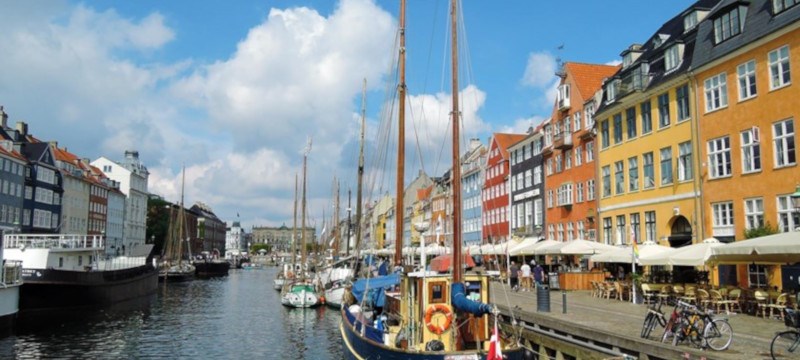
pixel 697 331
pixel 785 344
pixel 648 325
pixel 669 331
pixel 718 334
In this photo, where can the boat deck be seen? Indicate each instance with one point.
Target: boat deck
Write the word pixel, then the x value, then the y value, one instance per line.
pixel 620 323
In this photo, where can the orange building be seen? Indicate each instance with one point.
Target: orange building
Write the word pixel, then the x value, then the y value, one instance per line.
pixel 569 154
pixel 747 106
pixel 495 194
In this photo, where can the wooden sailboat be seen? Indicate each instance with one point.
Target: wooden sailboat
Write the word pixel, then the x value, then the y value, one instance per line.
pixel 173 267
pixel 301 292
pixel 424 315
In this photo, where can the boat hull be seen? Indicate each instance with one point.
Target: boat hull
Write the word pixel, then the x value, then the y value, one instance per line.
pixel 359 347
pixel 9 307
pixel 302 296
pixel 278 284
pixel 206 269
pixel 58 289
pixel 334 296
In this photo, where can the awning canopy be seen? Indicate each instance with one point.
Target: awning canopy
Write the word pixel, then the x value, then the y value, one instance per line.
pixel 782 248
pixel 625 254
pixel 692 255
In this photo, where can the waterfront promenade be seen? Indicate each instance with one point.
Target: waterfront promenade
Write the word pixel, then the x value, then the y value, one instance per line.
pixel 617 322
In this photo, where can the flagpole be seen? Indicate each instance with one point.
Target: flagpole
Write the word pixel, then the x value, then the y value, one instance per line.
pixel 633 262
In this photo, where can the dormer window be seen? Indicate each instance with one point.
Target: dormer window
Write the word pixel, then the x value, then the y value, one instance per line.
pixel 673 57
pixel 611 90
pixel 779 6
pixel 627 59
pixel 690 21
pixel 660 39
pixel 563 96
pixel 729 24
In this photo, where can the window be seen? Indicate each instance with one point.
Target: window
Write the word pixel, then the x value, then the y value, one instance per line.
pixel 633 174
pixel 578 156
pixel 753 213
pixel 549 198
pixel 747 80
pixel 589 116
pixel 729 24
pixel 563 95
pixel 607 230
pixel 568 159
pixel 689 21
pixel 577 119
pixel 783 135
pixel 779 71
pixel 723 214
pixel 757 276
pixel 606 181
pixel 589 151
pixel 567 125
pixel 751 151
pixel 672 58
pixel 630 120
pixel 617 128
pixel 528 175
pixel 685 161
pixel 650 225
pixel 611 91
pixel 590 190
pixel 559 163
pixel 548 167
pixel 565 194
pixel 647 120
pixel 635 230
pixel 619 177
pixel 781 5
pixel 788 218
pixel 647 168
pixel 579 192
pixel 538 212
pixel 581 230
pixel 682 97
pixel 537 175
pixel 604 133
pixel 525 154
pixel 621 229
pixel 719 157
pixel 716 89
pixel 666 166
pixel 663 110
pixel 560 232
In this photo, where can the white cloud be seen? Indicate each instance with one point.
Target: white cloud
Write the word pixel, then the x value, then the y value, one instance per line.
pixel 614 62
pixel 540 70
pixel 522 125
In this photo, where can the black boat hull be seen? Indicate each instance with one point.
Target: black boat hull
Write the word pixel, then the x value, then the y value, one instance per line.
pixel 58 289
pixel 211 268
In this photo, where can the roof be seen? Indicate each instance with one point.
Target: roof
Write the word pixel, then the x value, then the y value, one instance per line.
pixel 758 23
pixel 589 77
pixel 504 141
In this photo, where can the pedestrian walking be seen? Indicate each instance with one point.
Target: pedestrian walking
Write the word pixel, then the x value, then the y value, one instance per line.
pixel 526 279
pixel 538 275
pixel 514 276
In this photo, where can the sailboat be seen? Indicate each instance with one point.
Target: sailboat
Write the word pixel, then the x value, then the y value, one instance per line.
pixel 424 315
pixel 288 271
pixel 301 292
pixel 173 268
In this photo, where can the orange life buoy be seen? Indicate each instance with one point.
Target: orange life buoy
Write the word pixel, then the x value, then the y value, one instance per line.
pixel 448 318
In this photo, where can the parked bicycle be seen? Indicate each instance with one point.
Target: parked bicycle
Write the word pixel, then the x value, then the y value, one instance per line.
pixel 786 343
pixel 670 327
pixel 701 328
pixel 654 316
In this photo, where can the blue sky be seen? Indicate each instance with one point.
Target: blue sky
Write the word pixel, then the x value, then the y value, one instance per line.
pixel 233 89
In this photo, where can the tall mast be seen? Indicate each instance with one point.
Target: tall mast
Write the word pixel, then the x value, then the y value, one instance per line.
pixel 303 209
pixel 181 218
pixel 361 165
pixel 349 223
pixel 294 225
pixel 401 141
pixel 336 233
pixel 456 179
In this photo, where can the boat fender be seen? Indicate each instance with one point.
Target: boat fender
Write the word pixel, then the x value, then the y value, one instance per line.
pixel 445 310
pixel 434 345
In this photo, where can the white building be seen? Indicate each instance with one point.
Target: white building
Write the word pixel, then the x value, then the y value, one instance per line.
pixel 234 241
pixel 115 222
pixel 132 176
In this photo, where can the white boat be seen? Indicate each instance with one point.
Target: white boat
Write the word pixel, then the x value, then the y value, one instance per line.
pixel 299 295
pixel 334 296
pixel 10 282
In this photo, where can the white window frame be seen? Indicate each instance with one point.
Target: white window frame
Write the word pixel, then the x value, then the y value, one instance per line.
pixel 751 151
pixel 746 74
pixel 633 174
pixel 719 158
pixel 753 213
pixel 716 91
pixel 784 144
pixel 578 156
pixel 685 170
pixel 672 58
pixel 788 218
pixel 665 155
pixel 779 68
pixel 590 151
pixel 590 190
pixel 722 214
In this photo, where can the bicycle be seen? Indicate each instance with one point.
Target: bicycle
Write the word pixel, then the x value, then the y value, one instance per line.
pixel 702 330
pixel 787 342
pixel 671 327
pixel 653 316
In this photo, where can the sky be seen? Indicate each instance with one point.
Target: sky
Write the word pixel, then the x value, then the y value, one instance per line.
pixel 232 91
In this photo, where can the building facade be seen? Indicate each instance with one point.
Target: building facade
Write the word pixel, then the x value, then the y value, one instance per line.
pixel 472 176
pixel 132 176
pixel 495 191
pixel 527 185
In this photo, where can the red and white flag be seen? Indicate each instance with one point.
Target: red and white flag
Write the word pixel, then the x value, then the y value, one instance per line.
pixel 494 347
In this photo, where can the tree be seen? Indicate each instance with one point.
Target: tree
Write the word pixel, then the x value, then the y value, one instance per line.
pixel 763 230
pixel 158 211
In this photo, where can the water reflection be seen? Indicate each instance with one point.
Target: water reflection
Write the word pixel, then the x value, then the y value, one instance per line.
pixel 239 316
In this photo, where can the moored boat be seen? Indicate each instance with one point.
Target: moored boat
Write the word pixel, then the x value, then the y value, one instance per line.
pixel 299 294
pixel 10 283
pixel 65 271
pixel 210 265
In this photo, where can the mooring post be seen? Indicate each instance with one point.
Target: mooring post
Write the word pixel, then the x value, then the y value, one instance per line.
pixel 564 301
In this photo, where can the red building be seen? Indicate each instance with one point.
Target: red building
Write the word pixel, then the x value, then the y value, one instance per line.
pixel 495 198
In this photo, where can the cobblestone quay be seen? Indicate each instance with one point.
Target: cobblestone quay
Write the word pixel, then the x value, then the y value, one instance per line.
pixel 616 325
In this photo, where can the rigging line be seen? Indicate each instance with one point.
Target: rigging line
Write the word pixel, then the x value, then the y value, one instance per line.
pixel 428 66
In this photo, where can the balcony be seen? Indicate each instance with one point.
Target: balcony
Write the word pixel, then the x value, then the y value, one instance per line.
pixel 562 141
pixel 563 104
pixel 563 97
pixel 547 150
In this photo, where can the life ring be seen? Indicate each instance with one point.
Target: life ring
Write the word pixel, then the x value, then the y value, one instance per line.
pixel 448 318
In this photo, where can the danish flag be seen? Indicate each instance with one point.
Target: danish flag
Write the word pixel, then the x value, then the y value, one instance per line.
pixel 494 347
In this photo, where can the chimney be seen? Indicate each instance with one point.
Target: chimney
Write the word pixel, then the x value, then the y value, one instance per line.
pixel 131 154
pixel 22 128
pixel 85 161
pixel 54 144
pixel 474 143
pixel 3 117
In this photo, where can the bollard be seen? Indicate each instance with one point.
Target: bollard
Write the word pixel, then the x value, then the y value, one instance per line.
pixel 563 301
pixel 542 299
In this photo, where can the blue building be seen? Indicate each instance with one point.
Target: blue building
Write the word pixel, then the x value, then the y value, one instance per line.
pixel 472 171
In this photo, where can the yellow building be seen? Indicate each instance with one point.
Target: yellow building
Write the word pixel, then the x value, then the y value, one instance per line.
pixel 648 188
pixel 747 109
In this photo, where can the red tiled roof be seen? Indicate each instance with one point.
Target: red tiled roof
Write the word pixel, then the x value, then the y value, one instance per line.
pixel 589 77
pixel 506 140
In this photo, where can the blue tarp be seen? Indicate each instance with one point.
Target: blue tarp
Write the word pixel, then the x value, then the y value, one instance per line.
pixel 375 296
pixel 460 301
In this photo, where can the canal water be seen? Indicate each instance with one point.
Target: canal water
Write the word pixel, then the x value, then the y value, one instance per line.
pixel 236 317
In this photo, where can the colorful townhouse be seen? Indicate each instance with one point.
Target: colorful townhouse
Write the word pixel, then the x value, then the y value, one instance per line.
pixel 744 59
pixel 472 176
pixel 527 185
pixel 569 155
pixel 495 195
pixel 649 188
